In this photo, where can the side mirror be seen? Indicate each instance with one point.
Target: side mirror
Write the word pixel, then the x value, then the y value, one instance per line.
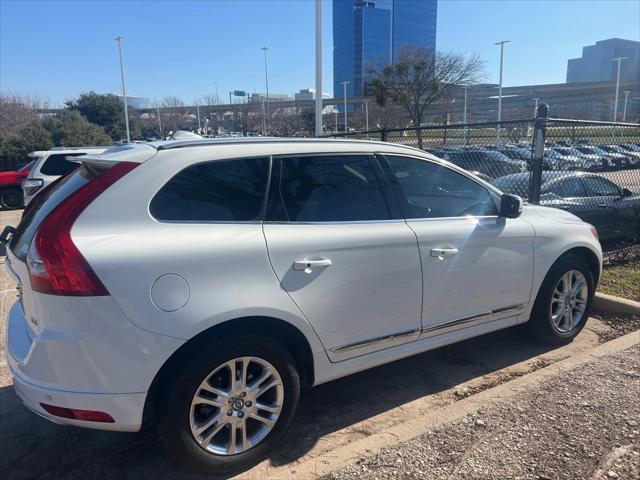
pixel 626 192
pixel 510 206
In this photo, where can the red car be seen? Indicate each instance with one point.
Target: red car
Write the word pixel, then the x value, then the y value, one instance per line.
pixel 10 187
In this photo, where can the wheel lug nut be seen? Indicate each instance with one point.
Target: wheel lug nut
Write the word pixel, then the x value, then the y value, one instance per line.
pixel 231 400
pixel 240 414
pixel 243 394
pixel 230 412
pixel 248 403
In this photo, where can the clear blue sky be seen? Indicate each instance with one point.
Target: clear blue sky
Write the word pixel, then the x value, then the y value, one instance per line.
pixel 58 49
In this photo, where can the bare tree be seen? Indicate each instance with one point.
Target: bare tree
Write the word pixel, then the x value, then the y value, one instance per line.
pixel 19 111
pixel 419 78
pixel 172 102
pixel 209 99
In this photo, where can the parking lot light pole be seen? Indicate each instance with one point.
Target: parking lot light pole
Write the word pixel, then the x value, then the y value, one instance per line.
pixel 159 121
pixel 624 110
pixel 344 87
pixel 318 104
pixel 615 105
pixel 266 83
pixel 535 109
pixel 501 43
pixel 119 39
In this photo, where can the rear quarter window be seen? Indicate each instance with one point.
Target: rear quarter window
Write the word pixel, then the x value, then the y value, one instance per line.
pixel 217 191
pixel 57 164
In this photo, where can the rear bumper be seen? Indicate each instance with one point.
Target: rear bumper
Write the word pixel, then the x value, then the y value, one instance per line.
pixel 126 409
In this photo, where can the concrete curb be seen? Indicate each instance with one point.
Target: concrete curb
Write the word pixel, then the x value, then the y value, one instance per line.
pixel 611 303
pixel 371 445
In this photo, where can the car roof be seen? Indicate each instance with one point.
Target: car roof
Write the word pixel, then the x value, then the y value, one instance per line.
pixel 249 146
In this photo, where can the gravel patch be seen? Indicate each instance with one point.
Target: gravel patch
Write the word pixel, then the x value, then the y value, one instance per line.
pixel 581 425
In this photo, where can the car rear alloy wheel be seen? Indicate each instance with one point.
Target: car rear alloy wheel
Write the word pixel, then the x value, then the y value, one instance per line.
pixel 569 301
pixel 236 406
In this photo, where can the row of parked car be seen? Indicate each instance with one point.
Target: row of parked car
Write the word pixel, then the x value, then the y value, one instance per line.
pixel 567 182
pixel 493 161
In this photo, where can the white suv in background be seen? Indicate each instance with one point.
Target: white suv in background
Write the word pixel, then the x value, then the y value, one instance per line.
pixel 202 283
pixel 49 165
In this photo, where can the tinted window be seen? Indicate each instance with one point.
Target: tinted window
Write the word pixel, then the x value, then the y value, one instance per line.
pixel 229 190
pixel 600 187
pixel 428 190
pixel 569 188
pixel 328 189
pixel 58 165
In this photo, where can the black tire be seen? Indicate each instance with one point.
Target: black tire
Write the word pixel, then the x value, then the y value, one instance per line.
pixel 174 406
pixel 540 323
pixel 11 198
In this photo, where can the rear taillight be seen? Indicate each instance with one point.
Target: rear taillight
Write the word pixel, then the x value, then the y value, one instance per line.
pixel 56 266
pixel 32 185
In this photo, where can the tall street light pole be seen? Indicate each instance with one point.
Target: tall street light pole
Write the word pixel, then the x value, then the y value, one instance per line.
pixel 266 82
pixel 318 68
pixel 615 106
pixel 119 39
pixel 344 87
pixel 624 111
pixel 501 43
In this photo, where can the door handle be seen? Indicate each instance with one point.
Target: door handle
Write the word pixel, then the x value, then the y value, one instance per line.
pixel 308 265
pixel 602 205
pixel 443 252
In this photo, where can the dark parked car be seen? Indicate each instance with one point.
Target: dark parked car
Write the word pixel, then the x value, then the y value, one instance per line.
pixel 613 210
pixel 491 163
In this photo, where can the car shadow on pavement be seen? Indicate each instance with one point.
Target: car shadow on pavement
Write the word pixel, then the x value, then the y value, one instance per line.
pixel 33 447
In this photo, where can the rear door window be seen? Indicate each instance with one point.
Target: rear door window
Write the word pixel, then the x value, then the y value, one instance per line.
pixel 57 164
pixel 327 188
pixel 218 191
pixel 572 187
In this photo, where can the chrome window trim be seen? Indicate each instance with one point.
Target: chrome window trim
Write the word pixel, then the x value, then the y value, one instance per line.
pixel 377 341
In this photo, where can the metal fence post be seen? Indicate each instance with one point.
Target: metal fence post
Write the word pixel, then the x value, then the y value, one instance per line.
pixel 539 132
pixel 383 135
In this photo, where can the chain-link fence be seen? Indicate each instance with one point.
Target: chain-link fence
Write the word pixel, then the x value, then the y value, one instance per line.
pixel 591 169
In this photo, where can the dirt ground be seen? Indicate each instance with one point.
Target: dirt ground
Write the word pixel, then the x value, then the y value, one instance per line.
pixel 582 425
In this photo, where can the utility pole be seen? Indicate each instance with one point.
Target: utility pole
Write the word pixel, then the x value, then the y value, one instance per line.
pixel 318 68
pixel 366 115
pixel 624 111
pixel 344 86
pixel 464 115
pixel 119 39
pixel 535 109
pixel 615 105
pixel 266 82
pixel 501 43
pixel 159 121
pixel 198 113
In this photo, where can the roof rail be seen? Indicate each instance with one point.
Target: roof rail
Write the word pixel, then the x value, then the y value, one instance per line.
pixel 57 149
pixel 253 140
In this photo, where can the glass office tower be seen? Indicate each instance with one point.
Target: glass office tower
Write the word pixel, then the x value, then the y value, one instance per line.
pixel 367 33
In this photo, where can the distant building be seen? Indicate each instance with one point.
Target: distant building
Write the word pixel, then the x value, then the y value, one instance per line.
pixel 136 102
pixel 308 94
pixel 596 63
pixel 273 97
pixel 371 32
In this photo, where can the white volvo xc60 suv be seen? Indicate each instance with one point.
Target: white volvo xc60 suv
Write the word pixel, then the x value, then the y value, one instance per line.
pixel 202 284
